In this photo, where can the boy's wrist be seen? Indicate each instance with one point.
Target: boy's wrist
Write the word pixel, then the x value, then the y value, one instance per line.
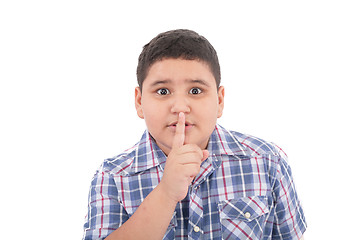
pixel 165 195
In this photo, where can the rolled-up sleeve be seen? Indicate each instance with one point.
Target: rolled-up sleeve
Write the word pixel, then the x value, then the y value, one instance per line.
pixel 289 216
pixel 105 211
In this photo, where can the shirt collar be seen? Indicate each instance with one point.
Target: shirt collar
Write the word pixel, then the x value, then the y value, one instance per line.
pixel 223 142
pixel 147 154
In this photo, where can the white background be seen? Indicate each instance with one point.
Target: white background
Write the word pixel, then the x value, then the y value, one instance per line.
pixel 67 71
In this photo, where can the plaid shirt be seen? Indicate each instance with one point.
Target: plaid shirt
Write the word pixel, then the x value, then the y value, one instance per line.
pixel 244 191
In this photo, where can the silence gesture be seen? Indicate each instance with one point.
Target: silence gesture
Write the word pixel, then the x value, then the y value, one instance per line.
pixel 182 164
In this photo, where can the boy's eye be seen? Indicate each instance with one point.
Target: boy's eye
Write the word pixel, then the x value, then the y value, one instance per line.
pixel 163 91
pixel 195 91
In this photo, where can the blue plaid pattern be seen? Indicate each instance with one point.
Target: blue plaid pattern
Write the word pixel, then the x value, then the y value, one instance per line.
pixel 244 190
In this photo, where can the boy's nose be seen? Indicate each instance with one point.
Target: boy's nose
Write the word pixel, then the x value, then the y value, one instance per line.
pixel 180 104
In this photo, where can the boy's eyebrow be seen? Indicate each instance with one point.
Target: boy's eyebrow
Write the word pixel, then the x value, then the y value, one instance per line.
pixel 158 82
pixel 199 81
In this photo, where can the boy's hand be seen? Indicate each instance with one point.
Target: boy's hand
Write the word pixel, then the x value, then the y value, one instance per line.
pixel 182 164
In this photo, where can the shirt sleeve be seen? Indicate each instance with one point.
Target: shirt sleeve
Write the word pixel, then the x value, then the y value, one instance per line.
pixel 289 216
pixel 105 212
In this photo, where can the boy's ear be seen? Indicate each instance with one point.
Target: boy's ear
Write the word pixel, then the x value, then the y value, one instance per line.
pixel 138 105
pixel 221 95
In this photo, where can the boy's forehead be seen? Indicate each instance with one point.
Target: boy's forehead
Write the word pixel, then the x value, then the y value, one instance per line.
pixel 170 71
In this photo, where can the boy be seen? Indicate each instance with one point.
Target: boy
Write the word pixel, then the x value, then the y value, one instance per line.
pixel 189 178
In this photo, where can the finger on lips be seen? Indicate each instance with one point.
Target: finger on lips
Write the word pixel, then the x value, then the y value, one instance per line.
pixel 179 137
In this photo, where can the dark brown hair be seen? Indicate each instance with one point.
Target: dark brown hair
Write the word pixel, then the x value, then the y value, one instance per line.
pixel 181 43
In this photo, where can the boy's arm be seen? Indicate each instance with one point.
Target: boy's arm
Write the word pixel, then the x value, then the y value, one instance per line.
pixel 152 218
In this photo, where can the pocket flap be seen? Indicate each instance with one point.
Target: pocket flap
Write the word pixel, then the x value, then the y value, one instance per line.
pixel 246 208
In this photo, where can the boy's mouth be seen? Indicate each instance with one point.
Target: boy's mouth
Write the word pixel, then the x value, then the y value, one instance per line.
pixel 175 123
pixel 188 125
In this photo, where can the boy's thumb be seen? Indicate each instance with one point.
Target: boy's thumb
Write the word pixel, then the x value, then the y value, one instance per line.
pixel 205 155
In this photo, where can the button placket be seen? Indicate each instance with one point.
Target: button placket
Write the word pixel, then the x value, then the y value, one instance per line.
pixel 195 214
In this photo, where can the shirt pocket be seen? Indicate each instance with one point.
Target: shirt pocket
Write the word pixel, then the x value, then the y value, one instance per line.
pixel 243 218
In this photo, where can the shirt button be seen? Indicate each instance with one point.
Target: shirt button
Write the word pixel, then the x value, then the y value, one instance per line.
pixel 196 229
pixel 247 215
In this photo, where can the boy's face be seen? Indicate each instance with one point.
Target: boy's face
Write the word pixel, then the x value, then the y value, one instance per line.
pixel 173 86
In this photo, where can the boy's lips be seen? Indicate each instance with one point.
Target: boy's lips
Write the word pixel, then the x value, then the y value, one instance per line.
pixel 188 125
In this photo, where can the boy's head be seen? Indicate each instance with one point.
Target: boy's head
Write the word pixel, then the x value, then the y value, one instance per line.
pixel 179 72
pixel 178 44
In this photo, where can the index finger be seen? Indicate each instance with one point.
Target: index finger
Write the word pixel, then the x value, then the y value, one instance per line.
pixel 179 137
